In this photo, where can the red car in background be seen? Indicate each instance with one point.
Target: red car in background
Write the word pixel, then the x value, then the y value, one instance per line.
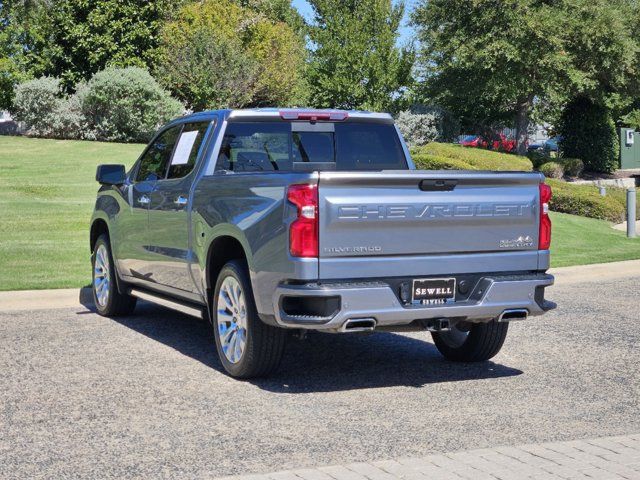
pixel 501 142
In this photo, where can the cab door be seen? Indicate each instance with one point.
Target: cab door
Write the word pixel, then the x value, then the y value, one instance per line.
pixel 170 252
pixel 133 251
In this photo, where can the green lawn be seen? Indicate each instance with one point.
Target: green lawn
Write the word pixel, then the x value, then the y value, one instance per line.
pixel 581 241
pixel 47 190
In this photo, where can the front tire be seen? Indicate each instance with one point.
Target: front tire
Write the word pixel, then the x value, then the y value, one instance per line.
pixel 476 342
pixel 247 347
pixel 108 300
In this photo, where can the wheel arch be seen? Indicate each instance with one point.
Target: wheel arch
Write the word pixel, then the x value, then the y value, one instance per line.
pixel 98 227
pixel 223 249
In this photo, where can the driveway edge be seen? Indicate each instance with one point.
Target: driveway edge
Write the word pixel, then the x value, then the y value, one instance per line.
pixel 601 458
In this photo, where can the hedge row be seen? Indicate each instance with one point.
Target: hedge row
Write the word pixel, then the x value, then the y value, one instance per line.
pixel 556 167
pixel 116 104
pixel 583 200
pixel 455 157
pixel 586 201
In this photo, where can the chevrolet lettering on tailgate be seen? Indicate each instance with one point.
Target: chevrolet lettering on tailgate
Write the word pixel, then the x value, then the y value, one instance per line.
pixel 380 212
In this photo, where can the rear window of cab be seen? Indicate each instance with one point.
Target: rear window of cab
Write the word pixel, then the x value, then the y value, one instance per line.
pixel 281 146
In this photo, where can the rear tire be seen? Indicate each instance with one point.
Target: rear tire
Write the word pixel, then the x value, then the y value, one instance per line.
pixel 481 342
pixel 247 347
pixel 108 300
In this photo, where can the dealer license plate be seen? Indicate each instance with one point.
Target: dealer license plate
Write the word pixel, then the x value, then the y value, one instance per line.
pixel 434 291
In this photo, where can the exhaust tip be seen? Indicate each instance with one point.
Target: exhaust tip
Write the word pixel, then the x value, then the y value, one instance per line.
pixel 511 315
pixel 359 325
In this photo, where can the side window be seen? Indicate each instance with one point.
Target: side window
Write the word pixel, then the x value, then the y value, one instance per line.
pixel 255 147
pixel 154 162
pixel 186 152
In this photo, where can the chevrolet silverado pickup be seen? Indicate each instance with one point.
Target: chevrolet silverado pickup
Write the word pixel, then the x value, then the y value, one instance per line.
pixel 264 221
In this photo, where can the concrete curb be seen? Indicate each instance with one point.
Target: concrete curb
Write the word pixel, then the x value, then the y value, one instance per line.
pixel 21 300
pixel 623 226
pixel 595 272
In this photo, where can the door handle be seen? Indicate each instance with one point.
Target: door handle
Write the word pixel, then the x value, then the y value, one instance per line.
pixel 144 200
pixel 438 185
pixel 181 201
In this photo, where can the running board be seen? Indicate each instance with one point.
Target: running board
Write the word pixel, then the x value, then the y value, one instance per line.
pixel 168 303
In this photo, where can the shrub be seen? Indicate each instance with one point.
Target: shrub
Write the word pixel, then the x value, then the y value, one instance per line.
pixel 552 170
pixel 537 158
pixel 421 125
pixel 573 167
pixel 588 132
pixel 425 161
pixel 127 104
pixel 116 104
pixel 586 201
pixel 475 158
pixel 418 129
pixel 68 120
pixel 35 103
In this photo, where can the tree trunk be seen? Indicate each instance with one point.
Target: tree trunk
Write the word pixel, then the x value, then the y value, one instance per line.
pixel 522 125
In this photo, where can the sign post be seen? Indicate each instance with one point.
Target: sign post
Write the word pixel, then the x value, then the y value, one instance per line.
pixel 631 212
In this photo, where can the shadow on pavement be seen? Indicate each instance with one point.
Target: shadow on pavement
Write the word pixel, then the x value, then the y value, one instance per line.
pixel 322 362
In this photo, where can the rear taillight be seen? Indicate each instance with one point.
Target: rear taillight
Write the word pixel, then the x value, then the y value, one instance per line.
pixel 544 239
pixel 303 232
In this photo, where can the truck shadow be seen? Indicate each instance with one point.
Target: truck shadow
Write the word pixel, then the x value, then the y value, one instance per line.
pixel 323 362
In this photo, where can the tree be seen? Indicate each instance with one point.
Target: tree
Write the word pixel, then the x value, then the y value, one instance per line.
pixel 277 11
pixel 77 38
pixel 216 53
pixel 496 62
pixel 189 71
pixel 589 133
pixel 18 33
pixel 355 61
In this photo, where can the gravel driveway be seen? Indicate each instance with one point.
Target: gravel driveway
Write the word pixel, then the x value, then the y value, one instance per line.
pixel 83 396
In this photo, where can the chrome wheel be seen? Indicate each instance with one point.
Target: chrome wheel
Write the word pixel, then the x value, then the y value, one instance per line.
pixel 232 319
pixel 101 275
pixel 454 337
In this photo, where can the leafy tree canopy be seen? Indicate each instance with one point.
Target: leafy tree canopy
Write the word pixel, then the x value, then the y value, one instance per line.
pixel 355 61
pixel 73 39
pixel 277 11
pixel 19 21
pixel 589 133
pixel 216 53
pixel 490 61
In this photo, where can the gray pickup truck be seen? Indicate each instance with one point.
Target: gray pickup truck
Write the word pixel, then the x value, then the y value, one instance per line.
pixel 265 221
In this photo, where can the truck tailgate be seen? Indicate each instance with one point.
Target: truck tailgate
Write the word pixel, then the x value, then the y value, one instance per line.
pixel 376 221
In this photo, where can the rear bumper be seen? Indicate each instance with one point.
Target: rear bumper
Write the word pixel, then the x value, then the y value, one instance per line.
pixel 488 300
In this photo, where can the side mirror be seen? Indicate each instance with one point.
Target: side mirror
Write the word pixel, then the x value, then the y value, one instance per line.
pixel 111 174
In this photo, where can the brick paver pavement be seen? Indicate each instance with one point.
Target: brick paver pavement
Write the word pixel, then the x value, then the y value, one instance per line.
pixel 601 458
